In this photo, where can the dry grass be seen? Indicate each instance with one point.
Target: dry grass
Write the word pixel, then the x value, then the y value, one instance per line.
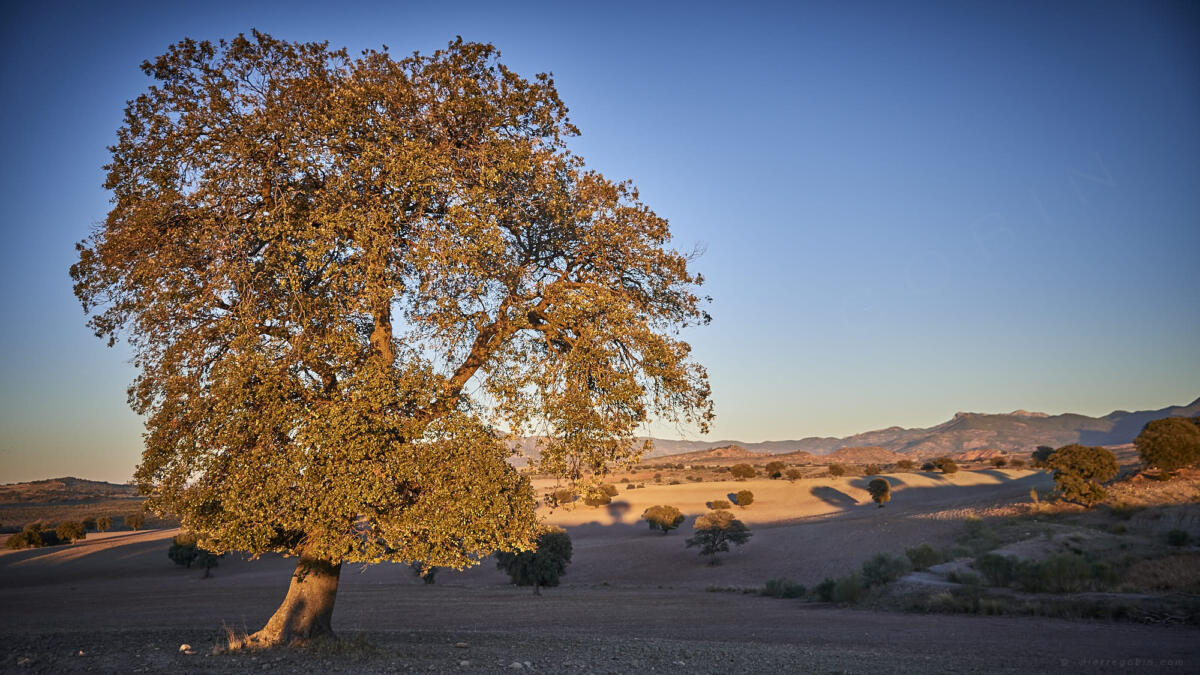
pixel 1169 573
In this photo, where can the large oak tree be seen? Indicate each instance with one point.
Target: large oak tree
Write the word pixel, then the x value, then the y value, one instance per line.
pixel 346 279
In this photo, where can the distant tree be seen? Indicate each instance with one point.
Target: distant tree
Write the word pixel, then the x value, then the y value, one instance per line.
pixel 929 466
pixel 719 504
pixel 1017 463
pixel 542 566
pixel 906 465
pixel 599 498
pixel 70 530
pixel 945 465
pixel 609 489
pixel 881 491
pixel 744 498
pixel 742 471
pixel 560 497
pixel 872 470
pixel 999 462
pixel 837 470
pixel 665 518
pixel 715 531
pixel 658 478
pixel 794 474
pixel 103 523
pixel 1041 456
pixel 1080 472
pixel 922 557
pixel 135 521
pixel 89 523
pixel 1169 444
pixel 29 537
pixel 775 469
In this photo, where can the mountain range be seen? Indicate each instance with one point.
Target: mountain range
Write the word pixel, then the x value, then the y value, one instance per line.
pixel 1018 431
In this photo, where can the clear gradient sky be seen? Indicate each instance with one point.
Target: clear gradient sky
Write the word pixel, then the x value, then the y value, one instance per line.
pixel 909 209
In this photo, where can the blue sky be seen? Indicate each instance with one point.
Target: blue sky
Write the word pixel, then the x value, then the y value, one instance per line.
pixel 908 209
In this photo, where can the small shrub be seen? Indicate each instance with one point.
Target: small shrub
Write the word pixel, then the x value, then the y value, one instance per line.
pixel 837 470
pixel 610 490
pixel 775 469
pixel 999 462
pixel 561 497
pixel 103 524
pixel 1017 463
pixel 998 570
pixel 884 569
pixel 824 590
pixel 658 478
pixel 929 466
pixel 625 479
pixel 922 557
pixel 848 590
pixel 794 474
pixel 631 486
pixel 70 530
pixel 872 470
pixel 1178 537
pixel 744 498
pixel 784 588
pixel 719 504
pixel 135 521
pixel 906 465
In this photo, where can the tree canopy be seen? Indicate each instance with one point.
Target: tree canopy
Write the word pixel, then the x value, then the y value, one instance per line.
pixel 1080 471
pixel 345 280
pixel 715 531
pixel 1170 443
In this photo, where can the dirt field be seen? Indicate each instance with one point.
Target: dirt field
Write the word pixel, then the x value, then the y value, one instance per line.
pixel 633 600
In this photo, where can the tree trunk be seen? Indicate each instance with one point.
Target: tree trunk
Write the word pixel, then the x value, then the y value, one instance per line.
pixel 537 589
pixel 307 610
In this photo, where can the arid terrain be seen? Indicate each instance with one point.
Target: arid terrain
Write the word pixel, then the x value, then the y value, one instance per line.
pixel 633 600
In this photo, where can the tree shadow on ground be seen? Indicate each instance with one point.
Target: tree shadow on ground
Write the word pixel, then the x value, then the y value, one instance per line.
pixel 617 511
pixel 833 497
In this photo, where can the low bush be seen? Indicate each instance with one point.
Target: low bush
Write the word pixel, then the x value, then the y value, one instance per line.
pixel 824 590
pixel 70 530
pixel 742 471
pixel 883 569
pixel 848 590
pixel 103 524
pixel 719 504
pixel 906 465
pixel 135 521
pixel 610 490
pixel 1017 463
pixel 999 462
pixel 793 474
pixel 922 557
pixel 1178 537
pixel 872 470
pixel 837 470
pixel 744 498
pixel 998 570
pixel 598 499
pixel 664 518
pixel 561 497
pixel 784 588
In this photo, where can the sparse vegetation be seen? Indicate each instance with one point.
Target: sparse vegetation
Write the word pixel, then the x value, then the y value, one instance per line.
pixel 1169 444
pixel 922 557
pixel 543 566
pixel 883 569
pixel 848 589
pixel 881 491
pixel 664 518
pixel 715 531
pixel 1080 472
pixel 784 588
pixel 837 470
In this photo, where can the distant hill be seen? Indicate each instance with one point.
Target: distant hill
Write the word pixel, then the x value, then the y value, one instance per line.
pixel 870 455
pixel 62 490
pixel 1018 431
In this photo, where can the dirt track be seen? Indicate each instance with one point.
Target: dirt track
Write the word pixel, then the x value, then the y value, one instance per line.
pixel 633 601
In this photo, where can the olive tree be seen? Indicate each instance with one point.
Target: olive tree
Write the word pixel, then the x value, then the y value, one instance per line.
pixel 340 276
pixel 742 471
